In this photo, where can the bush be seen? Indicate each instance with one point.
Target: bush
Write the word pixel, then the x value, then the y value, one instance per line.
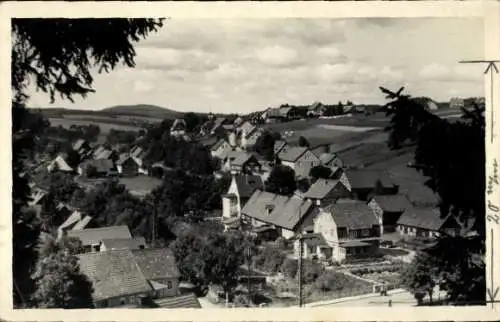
pixel 289 267
pixel 332 281
pixel 311 271
pixel 269 260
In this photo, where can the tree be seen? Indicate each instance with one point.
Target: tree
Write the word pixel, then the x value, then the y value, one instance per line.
pixel 265 145
pixel 420 277
pixel 303 142
pixel 193 121
pixel 320 171
pixel 59 282
pixel 58 55
pixel 281 180
pixel 452 156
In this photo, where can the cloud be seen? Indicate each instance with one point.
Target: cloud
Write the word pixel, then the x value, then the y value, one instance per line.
pixel 440 73
pixel 142 87
pixel 277 56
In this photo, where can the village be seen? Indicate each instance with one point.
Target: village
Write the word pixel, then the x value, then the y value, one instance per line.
pixel 329 228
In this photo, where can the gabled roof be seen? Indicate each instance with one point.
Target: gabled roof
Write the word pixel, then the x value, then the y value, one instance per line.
pixel 60 163
pixel 104 154
pixel 82 223
pixel 218 144
pixel 101 165
pixel 36 197
pixel 113 273
pixel 425 218
pixel 124 243
pixel 247 127
pixel 352 215
pixel 247 184
pixel 178 125
pixel 314 239
pixel 78 144
pixel 137 151
pixel 321 188
pixel 241 158
pixel 326 158
pixel 156 263
pixel 95 235
pixel 393 203
pixel 283 211
pixel 292 154
pixel 125 157
pixel 188 301
pixel 367 179
pixel 278 146
pixel 74 218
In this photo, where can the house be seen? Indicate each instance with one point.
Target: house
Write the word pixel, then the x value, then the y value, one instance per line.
pixel 160 269
pixel 116 278
pixel 108 154
pixel 207 141
pixel 426 223
pixel 365 184
pixel 330 160
pixel 388 209
pixel 426 102
pixel 239 192
pixel 96 168
pixel 213 126
pixel 91 238
pixel 241 162
pixel 220 148
pixel 324 192
pixel 286 215
pixel 251 139
pixel 37 197
pixel 60 164
pixel 122 243
pixel 81 146
pixel 316 109
pixel 130 166
pixel 137 152
pixel 279 145
pixel 178 128
pixel 349 230
pixel 238 121
pixel 83 223
pixel 300 159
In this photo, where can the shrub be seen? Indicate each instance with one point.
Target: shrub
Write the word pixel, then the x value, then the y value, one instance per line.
pixel 332 281
pixel 289 267
pixel 311 271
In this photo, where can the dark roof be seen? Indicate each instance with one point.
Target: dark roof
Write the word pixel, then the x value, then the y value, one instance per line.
pixel 393 203
pixel 367 179
pixel 208 142
pixel 247 184
pixel 124 243
pixel 326 158
pixel 95 235
pixel 218 144
pixel 156 263
pixel 278 145
pixel 321 188
pixel 241 158
pixel 353 215
pixel 354 243
pixel 78 144
pixel 425 218
pixel 279 210
pixel 178 125
pixel 188 301
pixel 113 273
pixel 101 165
pixel 292 153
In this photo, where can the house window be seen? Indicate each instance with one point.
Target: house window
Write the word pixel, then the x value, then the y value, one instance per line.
pixel 366 232
pixel 123 300
pixel 169 284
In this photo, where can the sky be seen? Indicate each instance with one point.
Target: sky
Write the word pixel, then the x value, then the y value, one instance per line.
pixel 243 65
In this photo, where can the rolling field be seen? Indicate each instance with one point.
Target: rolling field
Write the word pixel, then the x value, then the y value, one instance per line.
pixel 140 185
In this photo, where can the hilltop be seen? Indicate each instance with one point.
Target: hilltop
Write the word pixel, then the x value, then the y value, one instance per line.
pixel 142 110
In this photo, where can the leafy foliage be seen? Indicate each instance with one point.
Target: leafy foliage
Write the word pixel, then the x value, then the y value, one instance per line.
pixel 421 276
pixel 320 172
pixel 452 156
pixel 265 144
pixel 303 142
pixel 59 282
pixel 281 180
pixel 59 53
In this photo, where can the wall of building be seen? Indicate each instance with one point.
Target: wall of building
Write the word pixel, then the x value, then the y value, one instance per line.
pixel 172 287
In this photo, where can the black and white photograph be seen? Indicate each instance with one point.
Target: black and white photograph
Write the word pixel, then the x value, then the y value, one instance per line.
pixel 282 162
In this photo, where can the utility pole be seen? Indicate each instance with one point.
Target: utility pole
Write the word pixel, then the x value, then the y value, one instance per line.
pixel 300 269
pixel 153 232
